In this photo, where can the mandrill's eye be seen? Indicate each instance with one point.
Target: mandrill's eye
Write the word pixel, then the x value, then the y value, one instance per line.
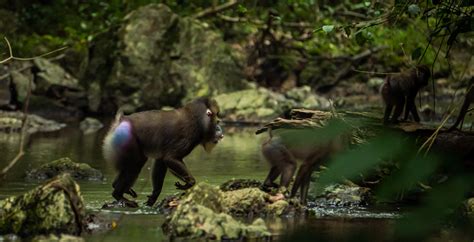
pixel 208 112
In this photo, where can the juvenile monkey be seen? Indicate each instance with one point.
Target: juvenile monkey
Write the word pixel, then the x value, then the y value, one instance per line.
pixel 283 154
pixel 165 136
pixel 468 99
pixel 400 90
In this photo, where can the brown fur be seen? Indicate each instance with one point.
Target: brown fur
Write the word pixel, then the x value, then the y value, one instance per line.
pixel 400 90
pixel 167 137
pixel 283 155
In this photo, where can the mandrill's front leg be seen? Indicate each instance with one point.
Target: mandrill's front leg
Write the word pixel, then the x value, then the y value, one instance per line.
pixel 179 169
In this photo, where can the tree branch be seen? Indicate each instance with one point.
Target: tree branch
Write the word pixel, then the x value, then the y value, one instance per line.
pixel 215 9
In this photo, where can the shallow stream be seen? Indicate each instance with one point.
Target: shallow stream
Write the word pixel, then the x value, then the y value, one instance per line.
pixel 237 156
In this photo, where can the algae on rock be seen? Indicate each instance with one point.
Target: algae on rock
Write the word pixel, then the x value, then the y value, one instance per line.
pixel 203 212
pixel 54 207
pixel 81 171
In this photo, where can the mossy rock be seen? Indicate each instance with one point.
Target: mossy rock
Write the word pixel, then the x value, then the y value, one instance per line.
pixel 193 220
pixel 54 207
pixel 79 171
pixel 340 195
pixel 247 201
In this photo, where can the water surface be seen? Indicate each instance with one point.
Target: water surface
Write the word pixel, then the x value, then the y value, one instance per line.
pixel 237 156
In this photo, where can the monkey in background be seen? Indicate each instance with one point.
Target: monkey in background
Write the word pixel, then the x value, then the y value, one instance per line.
pixel 400 90
pixel 282 156
pixel 468 99
pixel 165 136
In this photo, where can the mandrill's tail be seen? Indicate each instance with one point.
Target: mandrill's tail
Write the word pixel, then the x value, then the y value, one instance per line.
pixel 117 138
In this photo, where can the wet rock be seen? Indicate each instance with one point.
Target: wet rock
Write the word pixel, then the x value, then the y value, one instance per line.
pixel 306 98
pixel 245 202
pixel 20 83
pixel 79 171
pixel 196 221
pixel 201 213
pixel 259 104
pixel 340 195
pixel 253 104
pixel 90 125
pixel 12 121
pixel 51 74
pixel 54 83
pixel 242 202
pixel 193 61
pixel 469 207
pixel 5 93
pixel 54 207
pixel 236 184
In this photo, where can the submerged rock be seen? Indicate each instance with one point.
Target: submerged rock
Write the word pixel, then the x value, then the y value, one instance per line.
pixel 340 195
pixel 54 207
pixel 80 171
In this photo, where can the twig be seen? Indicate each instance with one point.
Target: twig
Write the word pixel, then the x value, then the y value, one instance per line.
pixel 12 57
pixel 215 9
pixel 21 150
pixel 375 72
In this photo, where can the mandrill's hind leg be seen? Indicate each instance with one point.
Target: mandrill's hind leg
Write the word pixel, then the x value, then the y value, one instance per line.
pixel 130 192
pixel 158 177
pixel 129 165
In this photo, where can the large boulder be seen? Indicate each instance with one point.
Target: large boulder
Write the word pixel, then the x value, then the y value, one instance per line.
pixel 79 171
pixel 156 58
pixel 54 207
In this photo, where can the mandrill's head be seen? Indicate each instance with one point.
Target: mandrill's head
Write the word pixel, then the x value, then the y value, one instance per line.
pixel 423 74
pixel 206 111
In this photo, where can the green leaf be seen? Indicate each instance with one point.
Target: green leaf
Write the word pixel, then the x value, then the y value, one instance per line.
pixel 328 28
pixel 415 55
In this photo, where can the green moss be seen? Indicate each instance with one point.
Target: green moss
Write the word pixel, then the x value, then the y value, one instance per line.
pixel 55 207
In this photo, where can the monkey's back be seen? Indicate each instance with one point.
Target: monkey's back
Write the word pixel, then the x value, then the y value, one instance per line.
pixel 164 133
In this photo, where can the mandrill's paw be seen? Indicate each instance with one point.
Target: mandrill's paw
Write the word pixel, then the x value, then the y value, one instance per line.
pixel 128 203
pixel 183 187
pixel 269 187
pixel 151 201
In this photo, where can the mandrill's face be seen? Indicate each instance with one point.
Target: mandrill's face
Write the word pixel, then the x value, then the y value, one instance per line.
pixel 215 133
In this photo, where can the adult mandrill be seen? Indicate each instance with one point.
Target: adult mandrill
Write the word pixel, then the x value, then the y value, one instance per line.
pixel 167 137
pixel 401 89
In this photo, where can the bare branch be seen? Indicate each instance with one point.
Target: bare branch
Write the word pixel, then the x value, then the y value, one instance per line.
pixel 215 9
pixel 12 57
